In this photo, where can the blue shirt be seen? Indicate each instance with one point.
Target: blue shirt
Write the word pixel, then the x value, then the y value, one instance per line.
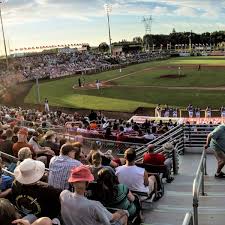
pixel 59 171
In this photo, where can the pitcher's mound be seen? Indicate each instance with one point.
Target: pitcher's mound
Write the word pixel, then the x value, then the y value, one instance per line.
pixel 171 76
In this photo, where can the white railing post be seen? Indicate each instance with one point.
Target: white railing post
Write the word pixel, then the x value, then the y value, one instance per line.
pixel 199 182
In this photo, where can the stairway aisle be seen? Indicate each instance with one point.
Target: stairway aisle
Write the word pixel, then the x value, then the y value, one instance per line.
pixel 177 201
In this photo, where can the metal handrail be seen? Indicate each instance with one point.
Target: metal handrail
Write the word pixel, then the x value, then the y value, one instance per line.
pixel 188 219
pixel 199 185
pixel 14 159
pixel 162 139
pixel 8 172
pixel 100 140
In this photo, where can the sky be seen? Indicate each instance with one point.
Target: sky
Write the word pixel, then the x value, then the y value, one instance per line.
pixel 31 23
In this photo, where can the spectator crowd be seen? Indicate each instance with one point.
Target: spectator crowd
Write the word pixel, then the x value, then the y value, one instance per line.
pixel 46 180
pixel 56 65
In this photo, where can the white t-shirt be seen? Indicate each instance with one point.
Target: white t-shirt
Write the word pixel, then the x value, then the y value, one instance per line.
pixel 81 130
pixel 149 136
pixel 133 177
pixel 128 129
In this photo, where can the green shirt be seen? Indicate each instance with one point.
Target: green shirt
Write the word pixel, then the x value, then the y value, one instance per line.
pixel 218 138
pixel 121 201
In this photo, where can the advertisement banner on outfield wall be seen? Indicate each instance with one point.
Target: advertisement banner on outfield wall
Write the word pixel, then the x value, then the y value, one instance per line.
pixel 201 120
pixel 213 120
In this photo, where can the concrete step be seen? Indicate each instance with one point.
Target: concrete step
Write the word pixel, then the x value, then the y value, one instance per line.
pixel 168 218
pixel 185 199
pixel 189 180
pixel 162 218
pixel 188 187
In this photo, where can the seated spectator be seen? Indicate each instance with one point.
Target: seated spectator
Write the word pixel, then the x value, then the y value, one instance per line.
pixel 15 132
pixel 37 148
pixel 106 158
pixel 95 148
pixel 22 142
pixel 108 133
pixel 97 165
pixel 32 196
pixel 77 209
pixel 7 144
pixel 128 128
pixel 92 116
pixel 50 141
pixel 30 134
pixel 5 183
pixel 120 136
pixel 60 167
pixel 24 153
pixel 80 129
pixel 1 135
pixel 9 216
pixel 158 159
pixel 115 195
pixel 135 178
pixel 79 155
pixel 149 136
pixel 62 142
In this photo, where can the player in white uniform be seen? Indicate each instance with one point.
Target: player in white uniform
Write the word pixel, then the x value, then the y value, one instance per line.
pixel 46 105
pixel 197 112
pixel 222 110
pixel 175 113
pixel 208 112
pixel 190 110
pixel 98 84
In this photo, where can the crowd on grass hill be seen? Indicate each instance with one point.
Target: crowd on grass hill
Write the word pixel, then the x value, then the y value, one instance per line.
pixel 56 65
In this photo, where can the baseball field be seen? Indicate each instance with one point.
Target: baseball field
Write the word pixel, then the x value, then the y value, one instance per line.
pixel 176 82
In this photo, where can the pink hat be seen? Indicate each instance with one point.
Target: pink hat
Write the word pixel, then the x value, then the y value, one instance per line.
pixel 80 173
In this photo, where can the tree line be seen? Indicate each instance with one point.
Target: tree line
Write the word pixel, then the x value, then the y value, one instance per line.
pixel 174 38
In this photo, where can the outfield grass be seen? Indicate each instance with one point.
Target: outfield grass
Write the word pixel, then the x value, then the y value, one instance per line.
pixel 209 60
pixel 204 78
pixel 127 99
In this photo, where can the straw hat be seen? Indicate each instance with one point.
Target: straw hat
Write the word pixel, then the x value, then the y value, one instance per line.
pixel 168 147
pixel 80 173
pixel 29 171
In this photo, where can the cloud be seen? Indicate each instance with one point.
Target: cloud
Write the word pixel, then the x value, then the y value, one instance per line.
pixel 40 18
pixel 27 11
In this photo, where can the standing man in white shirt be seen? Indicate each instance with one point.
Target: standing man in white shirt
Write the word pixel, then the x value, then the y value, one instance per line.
pixel 46 105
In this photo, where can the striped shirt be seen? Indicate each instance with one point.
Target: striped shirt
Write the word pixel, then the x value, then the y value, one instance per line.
pixel 59 171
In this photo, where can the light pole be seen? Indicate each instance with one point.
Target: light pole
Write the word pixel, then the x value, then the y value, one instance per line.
pixel 3 34
pixel 210 42
pixel 108 9
pixel 38 90
pixel 190 46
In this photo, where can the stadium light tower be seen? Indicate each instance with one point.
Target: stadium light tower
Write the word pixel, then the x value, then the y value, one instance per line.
pixel 108 9
pixel 37 89
pixel 147 21
pixel 3 34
